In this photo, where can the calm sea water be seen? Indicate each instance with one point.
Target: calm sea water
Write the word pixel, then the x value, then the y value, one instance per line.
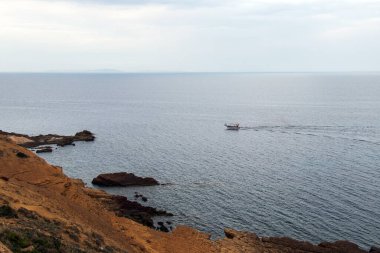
pixel 307 166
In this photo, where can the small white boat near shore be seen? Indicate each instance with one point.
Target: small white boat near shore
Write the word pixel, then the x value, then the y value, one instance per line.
pixel 232 126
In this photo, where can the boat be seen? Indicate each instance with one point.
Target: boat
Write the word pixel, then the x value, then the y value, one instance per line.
pixel 232 126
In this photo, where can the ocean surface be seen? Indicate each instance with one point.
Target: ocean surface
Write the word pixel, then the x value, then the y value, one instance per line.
pixel 306 164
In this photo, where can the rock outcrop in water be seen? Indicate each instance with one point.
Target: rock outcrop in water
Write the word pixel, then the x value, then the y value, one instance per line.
pixel 47 139
pixel 284 244
pixel 42 210
pixel 44 149
pixel 135 211
pixel 123 179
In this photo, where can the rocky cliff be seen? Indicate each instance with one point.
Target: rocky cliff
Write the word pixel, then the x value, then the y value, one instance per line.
pixel 42 210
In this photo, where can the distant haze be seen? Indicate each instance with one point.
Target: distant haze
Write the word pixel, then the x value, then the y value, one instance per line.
pixel 187 36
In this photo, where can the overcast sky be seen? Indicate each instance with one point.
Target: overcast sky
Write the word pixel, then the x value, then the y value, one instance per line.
pixel 185 36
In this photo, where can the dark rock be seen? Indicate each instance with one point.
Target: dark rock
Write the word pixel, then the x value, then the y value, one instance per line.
pixel 135 211
pixel 85 135
pixel 65 141
pixel 145 199
pixel 4 178
pixel 162 227
pixel 286 244
pixel 21 155
pixel 44 150
pixel 229 233
pixel 169 222
pixel 290 245
pixel 123 179
pixel 374 249
pixel 342 246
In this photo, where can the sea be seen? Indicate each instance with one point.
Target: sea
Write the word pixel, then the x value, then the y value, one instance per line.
pixel 305 164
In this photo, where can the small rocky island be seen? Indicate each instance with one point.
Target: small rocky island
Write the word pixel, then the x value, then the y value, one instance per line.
pixel 38 142
pixel 123 179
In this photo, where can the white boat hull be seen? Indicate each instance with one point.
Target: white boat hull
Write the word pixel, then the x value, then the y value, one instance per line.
pixel 232 126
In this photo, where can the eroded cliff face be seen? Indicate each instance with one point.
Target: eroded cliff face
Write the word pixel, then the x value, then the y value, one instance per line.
pixel 41 208
pixel 44 200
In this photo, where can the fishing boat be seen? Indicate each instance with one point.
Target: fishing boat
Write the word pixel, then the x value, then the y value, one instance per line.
pixel 232 126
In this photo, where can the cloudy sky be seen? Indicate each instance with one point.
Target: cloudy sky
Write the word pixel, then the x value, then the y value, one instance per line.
pixel 185 36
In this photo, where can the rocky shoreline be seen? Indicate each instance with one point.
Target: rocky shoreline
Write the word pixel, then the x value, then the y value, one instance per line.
pixel 118 204
pixel 27 141
pixel 132 209
pixel 42 210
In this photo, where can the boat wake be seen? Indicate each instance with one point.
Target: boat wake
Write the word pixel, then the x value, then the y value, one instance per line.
pixel 334 132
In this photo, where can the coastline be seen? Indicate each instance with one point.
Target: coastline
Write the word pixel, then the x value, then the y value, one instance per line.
pixel 49 196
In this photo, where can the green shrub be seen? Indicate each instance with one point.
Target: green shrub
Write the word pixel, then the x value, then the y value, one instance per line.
pixel 16 240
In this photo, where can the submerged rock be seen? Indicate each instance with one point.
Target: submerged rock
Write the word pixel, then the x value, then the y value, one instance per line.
pixel 143 198
pixel 123 179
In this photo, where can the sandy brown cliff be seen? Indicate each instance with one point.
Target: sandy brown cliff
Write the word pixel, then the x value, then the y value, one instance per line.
pixel 42 210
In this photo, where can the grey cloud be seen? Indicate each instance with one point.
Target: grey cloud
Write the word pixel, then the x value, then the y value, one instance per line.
pixel 200 35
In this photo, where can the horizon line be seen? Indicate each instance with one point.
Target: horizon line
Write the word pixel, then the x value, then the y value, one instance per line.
pixel 188 72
